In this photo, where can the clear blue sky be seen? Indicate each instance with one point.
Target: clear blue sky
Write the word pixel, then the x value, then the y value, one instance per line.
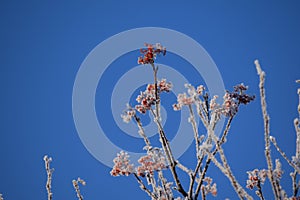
pixel 43 44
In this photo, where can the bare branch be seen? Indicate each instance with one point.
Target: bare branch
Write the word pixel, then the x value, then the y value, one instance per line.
pixel 144 188
pixel 273 140
pixel 49 176
pixel 238 188
pixel 170 157
pixel 142 131
pixel 203 173
pixel 76 187
pixel 195 129
pixel 267 129
pixel 259 191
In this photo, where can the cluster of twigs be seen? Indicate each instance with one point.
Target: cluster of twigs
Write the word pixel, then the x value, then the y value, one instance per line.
pixel 50 171
pixel 210 112
pixel 160 159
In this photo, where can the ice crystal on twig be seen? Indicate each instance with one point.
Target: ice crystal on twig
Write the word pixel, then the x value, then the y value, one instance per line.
pixel 266 119
pixel 76 187
pixel 277 172
pixel 49 171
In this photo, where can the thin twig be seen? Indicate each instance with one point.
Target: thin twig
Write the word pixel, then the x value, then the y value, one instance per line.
pixel 225 172
pixel 195 129
pixel 238 188
pixel 297 154
pixel 170 157
pixel 163 138
pixel 205 96
pixel 273 140
pixel 143 187
pixel 259 191
pixel 200 111
pixel 203 173
pixel 142 131
pixel 297 129
pixel 76 187
pixel 182 167
pixel 164 184
pixel 157 97
pixel 266 129
pixel 203 193
pixel 294 182
pixel 152 182
pixel 193 178
pixel 49 176
pixel 225 133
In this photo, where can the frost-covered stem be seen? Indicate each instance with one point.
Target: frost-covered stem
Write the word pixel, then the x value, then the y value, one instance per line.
pixel 193 178
pixel 200 113
pixel 297 129
pixel 143 187
pixel 152 182
pixel 169 154
pixel 76 187
pixel 259 191
pixel 273 140
pixel 297 154
pixel 49 176
pixel 238 188
pixel 142 131
pixel 224 171
pixel 163 183
pixel 163 138
pixel 157 97
pixel 299 99
pixel 294 182
pixel 282 193
pixel 195 129
pixel 207 107
pixel 182 167
pixel 224 135
pixel 1 198
pixel 203 173
pixel 267 129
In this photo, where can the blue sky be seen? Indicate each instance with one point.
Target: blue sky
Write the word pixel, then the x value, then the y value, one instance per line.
pixel 43 44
